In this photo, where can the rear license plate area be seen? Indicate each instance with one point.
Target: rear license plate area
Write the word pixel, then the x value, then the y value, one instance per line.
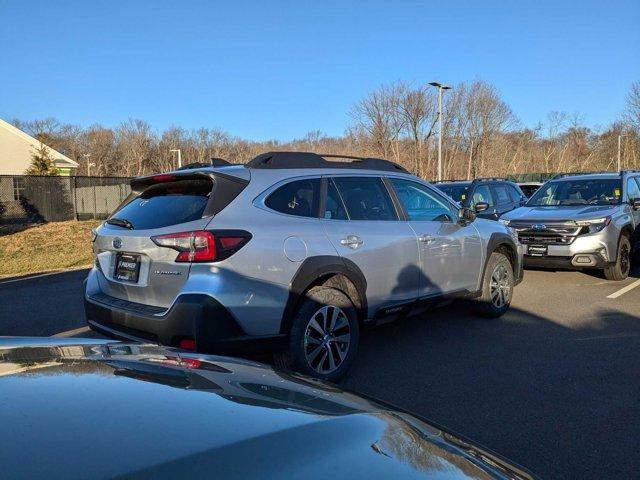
pixel 538 250
pixel 127 267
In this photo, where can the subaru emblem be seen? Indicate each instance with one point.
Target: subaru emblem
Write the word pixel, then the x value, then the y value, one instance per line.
pixel 117 242
pixel 538 226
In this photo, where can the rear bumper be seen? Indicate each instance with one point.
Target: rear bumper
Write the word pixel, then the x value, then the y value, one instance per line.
pixel 192 316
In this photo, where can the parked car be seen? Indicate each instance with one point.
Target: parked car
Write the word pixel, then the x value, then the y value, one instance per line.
pixel 582 221
pixel 529 188
pixel 500 194
pixel 81 408
pixel 292 252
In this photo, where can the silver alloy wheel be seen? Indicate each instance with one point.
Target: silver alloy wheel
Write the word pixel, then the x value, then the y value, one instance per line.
pixel 500 286
pixel 327 339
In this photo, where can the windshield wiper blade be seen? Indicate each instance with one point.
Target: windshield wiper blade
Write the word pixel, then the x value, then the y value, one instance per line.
pixel 120 222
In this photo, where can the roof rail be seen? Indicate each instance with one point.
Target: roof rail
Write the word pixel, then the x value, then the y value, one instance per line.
pixel 280 160
pixel 484 179
pixel 629 171
pixel 451 180
pixel 574 174
pixel 215 162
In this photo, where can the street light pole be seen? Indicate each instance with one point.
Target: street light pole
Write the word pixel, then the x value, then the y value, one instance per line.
pixel 179 156
pixel 440 88
pixel 89 163
pixel 619 150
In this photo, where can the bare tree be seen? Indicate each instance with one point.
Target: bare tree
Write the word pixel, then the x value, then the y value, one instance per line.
pixel 481 137
pixel 632 112
pixel 99 143
pixel 418 108
pixel 486 115
pixel 134 140
pixel 377 115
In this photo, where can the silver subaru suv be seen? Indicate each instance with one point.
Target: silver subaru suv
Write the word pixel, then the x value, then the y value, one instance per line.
pixel 293 253
pixel 582 222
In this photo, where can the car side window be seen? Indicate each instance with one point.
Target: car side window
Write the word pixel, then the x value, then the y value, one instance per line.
pixel 502 194
pixel 334 207
pixel 366 198
pixel 420 203
pixel 300 198
pixel 516 195
pixel 633 190
pixel 482 193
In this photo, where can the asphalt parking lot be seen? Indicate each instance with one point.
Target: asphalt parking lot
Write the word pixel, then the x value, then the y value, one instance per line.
pixel 553 385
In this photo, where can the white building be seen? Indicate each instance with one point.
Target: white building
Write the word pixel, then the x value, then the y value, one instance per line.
pixel 17 149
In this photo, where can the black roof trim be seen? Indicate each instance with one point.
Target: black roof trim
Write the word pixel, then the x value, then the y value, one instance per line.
pixel 282 160
pixel 215 162
pixel 479 179
pixel 579 174
pixel 492 179
pixel 453 180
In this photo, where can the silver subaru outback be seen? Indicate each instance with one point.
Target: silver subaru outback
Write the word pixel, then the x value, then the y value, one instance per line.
pixel 293 253
pixel 582 222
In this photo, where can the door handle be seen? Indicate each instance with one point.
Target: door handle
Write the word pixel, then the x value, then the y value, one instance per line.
pixel 352 241
pixel 426 238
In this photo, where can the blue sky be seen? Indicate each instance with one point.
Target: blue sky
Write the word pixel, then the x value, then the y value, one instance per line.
pixel 280 69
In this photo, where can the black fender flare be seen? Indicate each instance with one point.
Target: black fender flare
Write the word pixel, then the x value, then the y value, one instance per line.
pixel 495 240
pixel 317 267
pixel 500 238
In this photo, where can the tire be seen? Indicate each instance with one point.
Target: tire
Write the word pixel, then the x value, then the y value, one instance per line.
pixel 620 270
pixel 325 356
pixel 497 287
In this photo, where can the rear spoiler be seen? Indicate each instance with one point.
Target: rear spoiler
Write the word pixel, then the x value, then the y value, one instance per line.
pixel 139 184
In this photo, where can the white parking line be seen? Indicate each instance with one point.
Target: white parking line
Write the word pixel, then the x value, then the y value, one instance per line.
pixel 609 337
pixel 71 333
pixel 624 290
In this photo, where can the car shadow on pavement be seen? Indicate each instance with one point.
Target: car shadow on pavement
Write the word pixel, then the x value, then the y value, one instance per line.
pixel 560 401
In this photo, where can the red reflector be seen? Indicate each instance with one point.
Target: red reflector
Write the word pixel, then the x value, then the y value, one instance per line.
pixel 230 242
pixel 188 344
pixel 163 178
pixel 190 363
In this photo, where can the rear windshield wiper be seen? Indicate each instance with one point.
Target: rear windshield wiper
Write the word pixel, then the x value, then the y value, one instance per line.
pixel 120 222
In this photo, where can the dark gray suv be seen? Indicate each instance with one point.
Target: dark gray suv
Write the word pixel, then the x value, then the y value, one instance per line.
pixel 499 194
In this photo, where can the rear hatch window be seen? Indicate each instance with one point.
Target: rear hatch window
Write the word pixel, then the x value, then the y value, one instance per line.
pixel 174 202
pixel 457 192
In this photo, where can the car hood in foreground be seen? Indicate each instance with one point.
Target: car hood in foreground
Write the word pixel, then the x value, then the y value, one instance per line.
pixel 76 409
pixel 560 213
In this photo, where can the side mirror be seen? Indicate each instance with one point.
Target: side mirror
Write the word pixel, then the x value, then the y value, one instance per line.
pixel 466 216
pixel 635 203
pixel 523 201
pixel 481 207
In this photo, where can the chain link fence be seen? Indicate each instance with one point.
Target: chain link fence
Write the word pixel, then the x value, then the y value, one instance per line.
pixel 30 199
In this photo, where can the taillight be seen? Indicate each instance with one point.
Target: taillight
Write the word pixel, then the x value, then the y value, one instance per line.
pixel 188 344
pixel 202 245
